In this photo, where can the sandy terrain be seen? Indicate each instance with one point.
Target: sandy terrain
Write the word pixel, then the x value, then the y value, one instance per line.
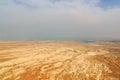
pixel 59 60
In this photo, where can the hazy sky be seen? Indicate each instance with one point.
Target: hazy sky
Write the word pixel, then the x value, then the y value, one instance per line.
pixel 59 19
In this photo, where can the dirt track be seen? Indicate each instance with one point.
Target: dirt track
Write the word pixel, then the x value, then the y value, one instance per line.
pixel 59 60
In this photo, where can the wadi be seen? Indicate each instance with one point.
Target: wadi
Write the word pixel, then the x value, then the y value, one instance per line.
pixel 59 60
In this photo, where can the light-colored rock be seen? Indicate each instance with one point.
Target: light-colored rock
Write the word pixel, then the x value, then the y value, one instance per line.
pixel 58 60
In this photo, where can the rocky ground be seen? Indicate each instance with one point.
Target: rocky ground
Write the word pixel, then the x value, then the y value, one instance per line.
pixel 59 60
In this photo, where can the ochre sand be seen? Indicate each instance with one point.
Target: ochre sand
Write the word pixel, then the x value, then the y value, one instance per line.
pixel 59 60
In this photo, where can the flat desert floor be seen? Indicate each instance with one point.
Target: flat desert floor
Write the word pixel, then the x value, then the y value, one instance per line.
pixel 59 60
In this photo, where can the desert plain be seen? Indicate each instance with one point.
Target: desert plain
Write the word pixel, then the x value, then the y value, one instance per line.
pixel 59 60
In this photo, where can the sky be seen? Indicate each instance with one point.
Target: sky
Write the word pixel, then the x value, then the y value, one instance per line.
pixel 59 19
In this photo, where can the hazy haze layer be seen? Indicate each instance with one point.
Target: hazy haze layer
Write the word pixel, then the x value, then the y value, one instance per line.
pixel 59 19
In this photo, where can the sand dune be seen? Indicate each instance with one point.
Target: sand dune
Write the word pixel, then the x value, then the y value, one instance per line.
pixel 59 60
